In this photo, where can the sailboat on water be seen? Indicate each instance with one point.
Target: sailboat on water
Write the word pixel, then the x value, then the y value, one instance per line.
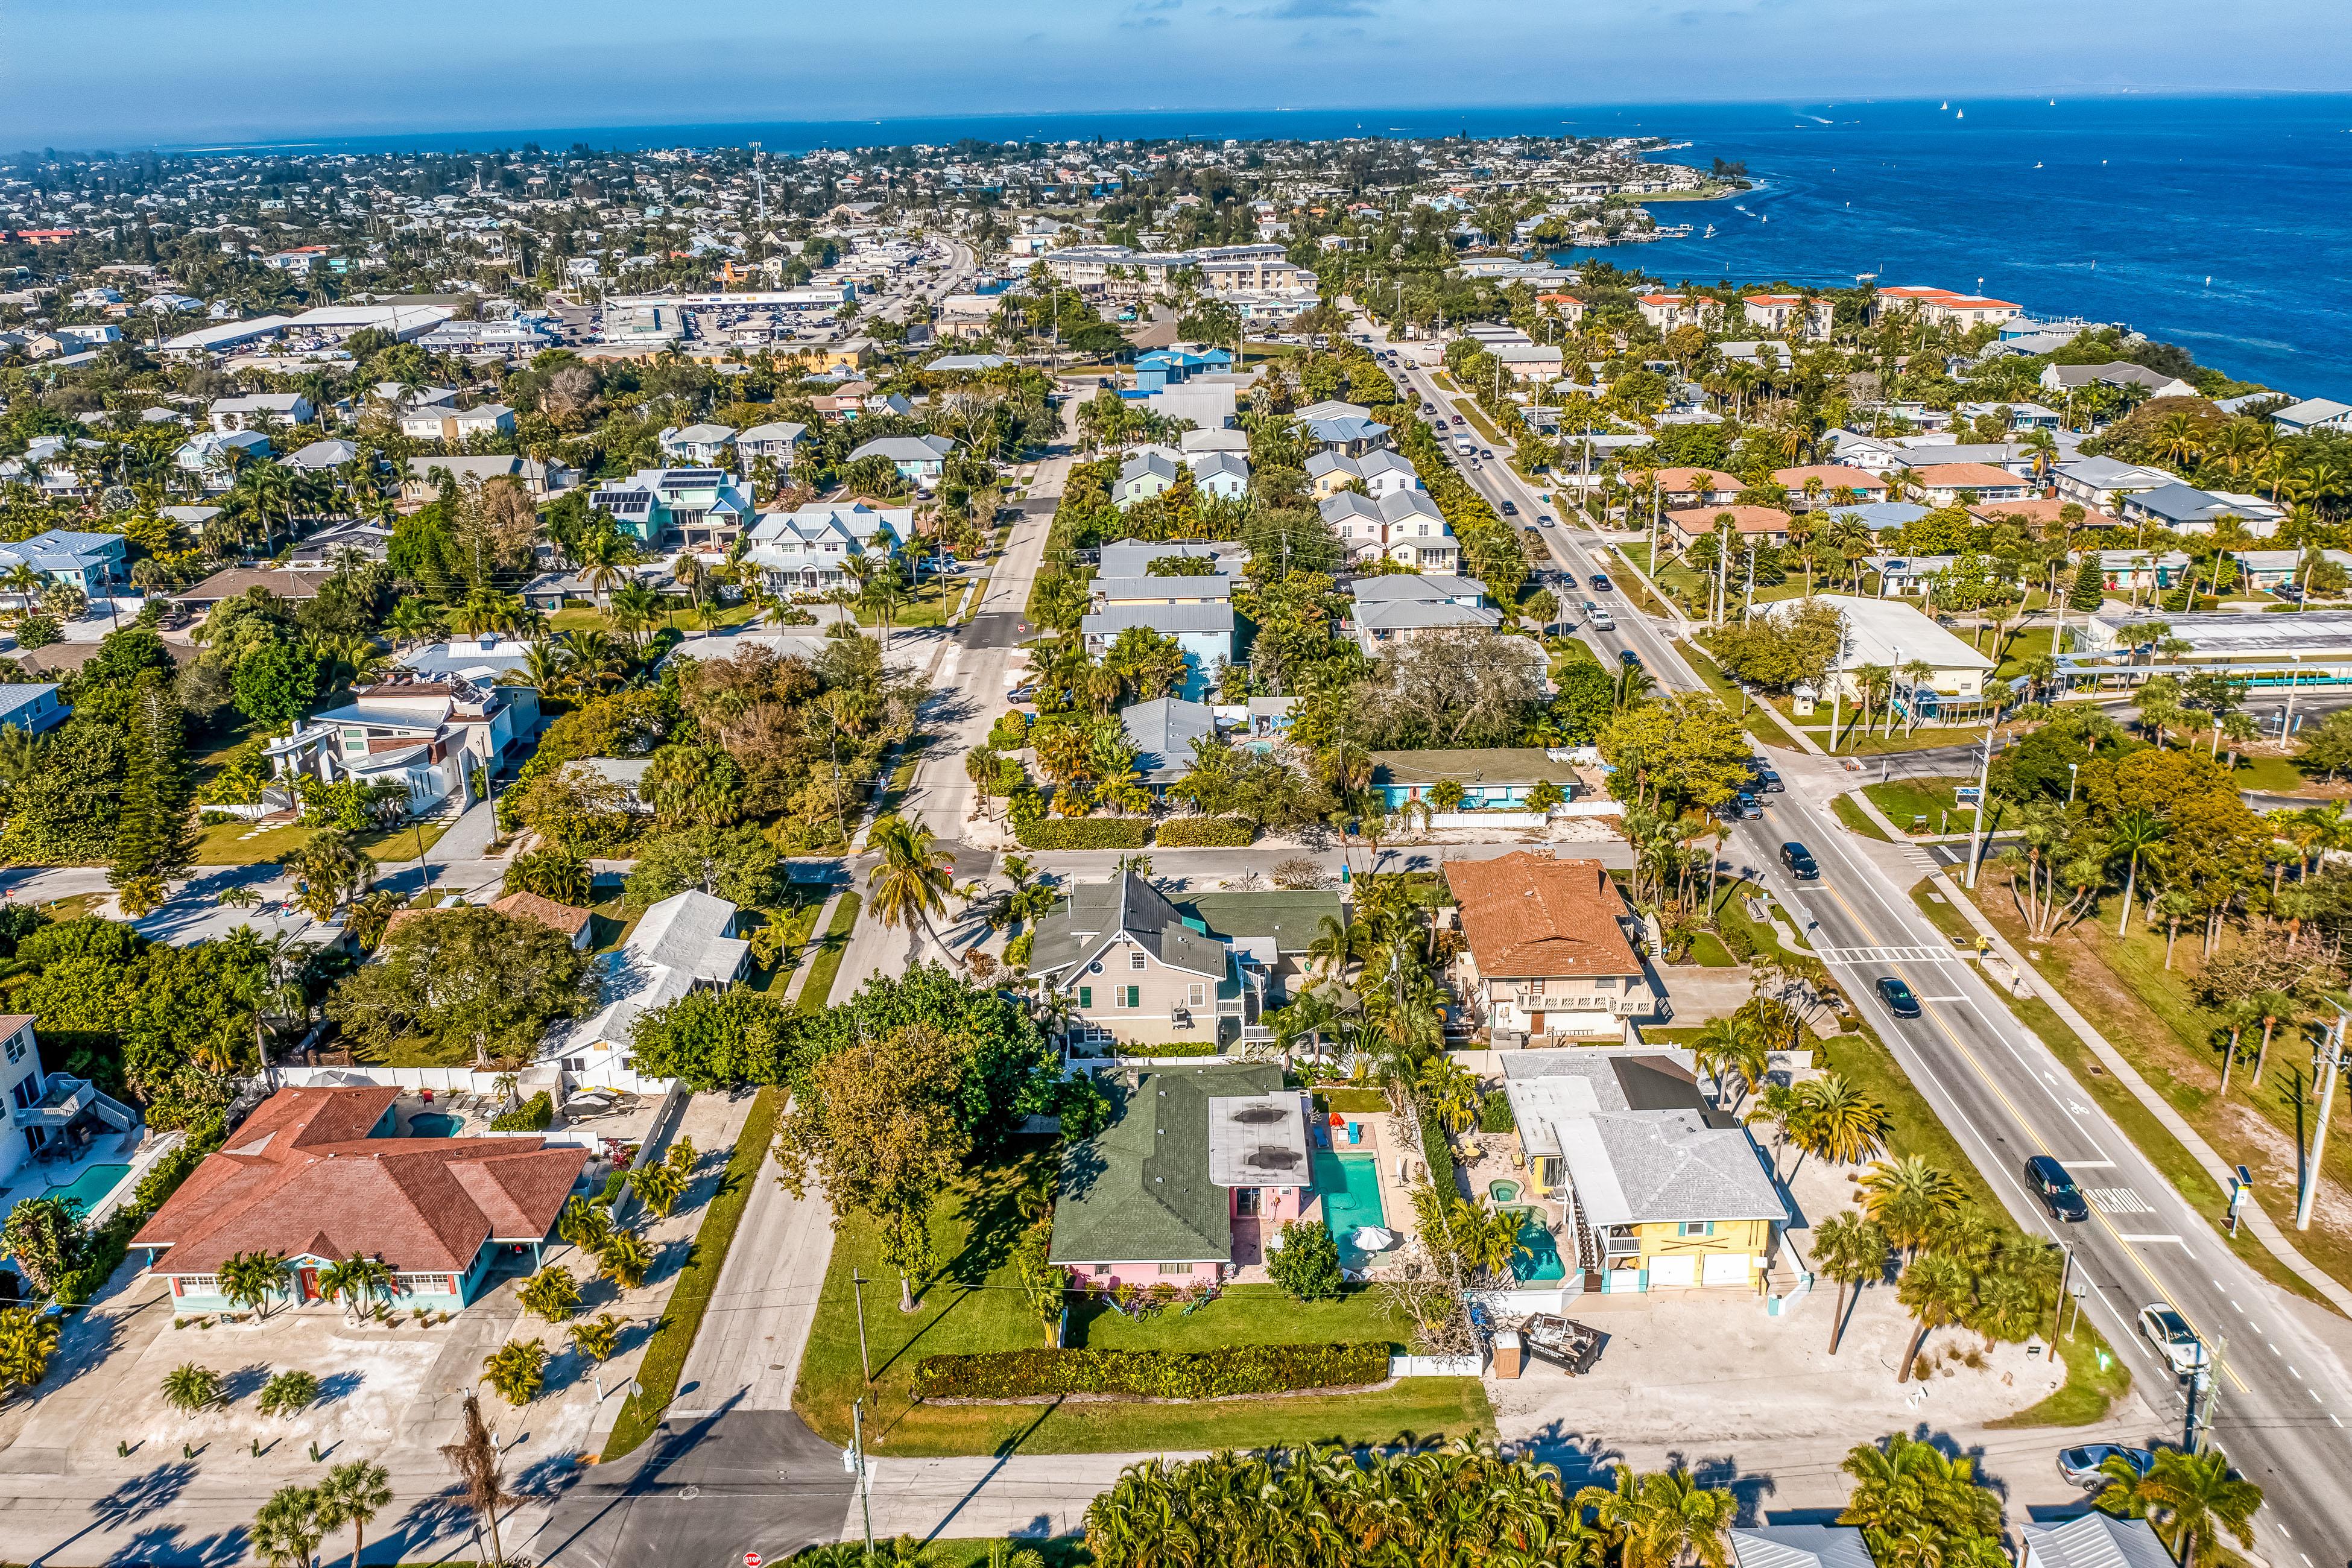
pixel 1945 104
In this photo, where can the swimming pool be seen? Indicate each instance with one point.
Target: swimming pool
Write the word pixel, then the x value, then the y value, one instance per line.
pixel 90 1186
pixel 433 1124
pixel 1538 1255
pixel 1349 1186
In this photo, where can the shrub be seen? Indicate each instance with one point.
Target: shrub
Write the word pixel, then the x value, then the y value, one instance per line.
pixel 1495 1114
pixel 1082 832
pixel 1152 1374
pixel 1737 941
pixel 287 1394
pixel 536 1114
pixel 1206 833
pixel 1436 1151
pixel 1307 1265
pixel 1010 732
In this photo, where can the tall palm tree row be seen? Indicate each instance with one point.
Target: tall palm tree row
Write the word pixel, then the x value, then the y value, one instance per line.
pixel 1458 1502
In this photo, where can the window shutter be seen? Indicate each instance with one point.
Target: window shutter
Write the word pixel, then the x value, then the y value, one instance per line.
pixel 1086 995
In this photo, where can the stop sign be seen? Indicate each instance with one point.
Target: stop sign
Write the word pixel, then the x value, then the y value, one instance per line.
pixel 750 1560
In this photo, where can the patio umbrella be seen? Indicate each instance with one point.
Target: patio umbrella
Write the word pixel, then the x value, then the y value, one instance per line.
pixel 1372 1238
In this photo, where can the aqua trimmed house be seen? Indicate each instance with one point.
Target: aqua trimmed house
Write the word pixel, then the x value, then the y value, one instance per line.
pixel 319 1176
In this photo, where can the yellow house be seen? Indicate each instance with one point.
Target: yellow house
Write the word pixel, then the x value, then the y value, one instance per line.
pixel 1651 1187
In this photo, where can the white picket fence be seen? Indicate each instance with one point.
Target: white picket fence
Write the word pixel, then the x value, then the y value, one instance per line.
pixel 1436 1365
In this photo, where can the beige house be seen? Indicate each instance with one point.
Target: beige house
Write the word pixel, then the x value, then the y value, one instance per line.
pixel 1137 971
pixel 1548 957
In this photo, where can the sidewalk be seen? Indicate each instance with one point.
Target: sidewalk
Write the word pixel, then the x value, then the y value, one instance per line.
pixel 2256 1219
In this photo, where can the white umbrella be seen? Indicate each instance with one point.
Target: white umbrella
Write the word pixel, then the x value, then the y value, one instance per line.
pixel 1372 1238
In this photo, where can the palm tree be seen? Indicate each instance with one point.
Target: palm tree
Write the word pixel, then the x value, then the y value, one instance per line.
pixel 353 1494
pixel 27 1340
pixel 604 561
pixel 355 1282
pixel 2135 833
pixel 1936 1290
pixel 251 1279
pixel 594 1339
pixel 635 611
pixel 625 1260
pixel 517 1370
pixel 189 1388
pixel 1908 1198
pixel 2193 1496
pixel 1727 1046
pixel 287 1532
pixel 1850 1249
pixel 910 885
pixel 474 1457
pixel 552 1294
pixel 658 1187
pixel 1838 1121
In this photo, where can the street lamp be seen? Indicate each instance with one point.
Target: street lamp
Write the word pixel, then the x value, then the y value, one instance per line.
pixel 2071 769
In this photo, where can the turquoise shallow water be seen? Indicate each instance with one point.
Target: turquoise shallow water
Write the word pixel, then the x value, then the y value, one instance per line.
pixel 1349 1186
pixel 1539 1255
pixel 433 1124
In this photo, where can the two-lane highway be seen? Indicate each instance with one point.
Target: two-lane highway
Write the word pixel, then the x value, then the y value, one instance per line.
pixel 2283 1398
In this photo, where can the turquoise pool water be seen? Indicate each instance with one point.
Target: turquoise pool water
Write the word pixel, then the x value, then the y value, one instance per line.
pixel 1539 1255
pixel 433 1124
pixel 90 1186
pixel 1349 1186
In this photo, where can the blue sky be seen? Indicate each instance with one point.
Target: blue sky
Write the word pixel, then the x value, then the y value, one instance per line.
pixel 130 72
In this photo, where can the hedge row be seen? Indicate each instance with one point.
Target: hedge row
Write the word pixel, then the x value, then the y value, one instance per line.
pixel 1152 1374
pixel 1206 833
pixel 1082 832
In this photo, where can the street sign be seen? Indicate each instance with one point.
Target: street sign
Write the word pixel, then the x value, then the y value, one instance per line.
pixel 750 1560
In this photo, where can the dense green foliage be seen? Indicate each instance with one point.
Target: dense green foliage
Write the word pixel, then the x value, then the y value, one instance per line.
pixel 1151 1374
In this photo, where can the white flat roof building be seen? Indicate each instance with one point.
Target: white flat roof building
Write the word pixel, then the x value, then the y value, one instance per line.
pixel 1889 633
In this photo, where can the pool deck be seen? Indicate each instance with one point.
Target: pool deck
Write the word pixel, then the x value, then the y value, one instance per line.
pixel 136 1150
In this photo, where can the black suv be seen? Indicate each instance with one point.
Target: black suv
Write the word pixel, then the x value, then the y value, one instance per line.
pixel 2055 1188
pixel 1800 862
pixel 1897 997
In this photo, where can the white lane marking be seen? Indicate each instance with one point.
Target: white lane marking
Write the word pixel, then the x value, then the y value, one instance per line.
pixel 1943 998
pixel 2151 1238
pixel 1884 954
pixel 2096 1165
pixel 2118 1200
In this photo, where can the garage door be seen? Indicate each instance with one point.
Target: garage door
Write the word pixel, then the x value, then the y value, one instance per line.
pixel 1668 1272
pixel 1726 1269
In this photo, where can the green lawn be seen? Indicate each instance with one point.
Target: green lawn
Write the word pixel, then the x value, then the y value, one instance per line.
pixel 2150 1014
pixel 798 916
pixel 682 1316
pixel 1732 910
pixel 1905 800
pixel 973 1304
pixel 1854 817
pixel 826 967
pixel 1708 951
pixel 1480 423
pixel 2272 776
pixel 241 844
pixel 2019 644
pixel 1927 738
pixel 928 606
pixel 1366 1102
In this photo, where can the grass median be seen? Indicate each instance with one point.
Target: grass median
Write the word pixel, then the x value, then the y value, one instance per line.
pixel 817 989
pixel 681 1318
pixel 1753 713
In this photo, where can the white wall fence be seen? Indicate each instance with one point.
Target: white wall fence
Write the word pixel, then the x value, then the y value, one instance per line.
pixel 1524 818
pixel 1436 1365
pixel 465 1080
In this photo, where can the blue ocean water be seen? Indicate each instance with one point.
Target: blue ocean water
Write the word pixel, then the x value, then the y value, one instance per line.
pixel 2221 223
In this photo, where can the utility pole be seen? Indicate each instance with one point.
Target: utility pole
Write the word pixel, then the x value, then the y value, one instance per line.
pixel 2204 1395
pixel 856 1456
pixel 1984 776
pixel 2331 1050
pixel 857 1285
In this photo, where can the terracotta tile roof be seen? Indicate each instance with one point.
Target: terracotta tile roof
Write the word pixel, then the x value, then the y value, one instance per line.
pixel 1699 520
pixel 1964 477
pixel 1831 475
pixel 1529 916
pixel 302 1177
pixel 566 919
pixel 1709 479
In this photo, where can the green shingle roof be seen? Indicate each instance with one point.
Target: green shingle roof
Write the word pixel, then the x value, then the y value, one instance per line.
pixel 1138 1191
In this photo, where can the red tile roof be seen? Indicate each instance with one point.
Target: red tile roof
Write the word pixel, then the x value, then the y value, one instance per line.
pixel 1528 916
pixel 1699 520
pixel 1707 480
pixel 1831 475
pixel 302 1177
pixel 1964 477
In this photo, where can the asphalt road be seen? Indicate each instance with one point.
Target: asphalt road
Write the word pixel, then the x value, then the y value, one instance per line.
pixel 2283 1396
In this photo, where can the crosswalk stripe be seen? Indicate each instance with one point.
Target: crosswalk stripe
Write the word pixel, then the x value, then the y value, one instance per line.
pixel 1884 954
pixel 2118 1200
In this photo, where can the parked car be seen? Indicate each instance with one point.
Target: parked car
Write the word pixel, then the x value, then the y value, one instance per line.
pixel 1744 806
pixel 1897 997
pixel 1767 780
pixel 1800 862
pixel 2174 1340
pixel 1023 693
pixel 1601 582
pixel 2082 1466
pixel 2057 1189
pixel 1509 508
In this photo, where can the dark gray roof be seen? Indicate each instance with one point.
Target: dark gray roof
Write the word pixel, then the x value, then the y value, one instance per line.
pixel 1169 588
pixel 1093 915
pixel 1163 730
pixel 1290 918
pixel 1416 585
pixel 1165 619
